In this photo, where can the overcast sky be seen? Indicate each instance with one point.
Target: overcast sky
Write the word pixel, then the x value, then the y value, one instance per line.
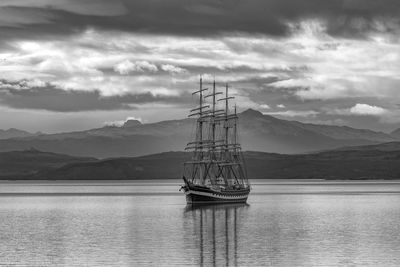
pixel 78 64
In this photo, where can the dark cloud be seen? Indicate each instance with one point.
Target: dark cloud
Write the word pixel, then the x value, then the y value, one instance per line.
pixel 350 18
pixel 49 97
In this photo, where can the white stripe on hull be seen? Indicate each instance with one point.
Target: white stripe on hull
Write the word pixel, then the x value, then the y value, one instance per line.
pixel 219 196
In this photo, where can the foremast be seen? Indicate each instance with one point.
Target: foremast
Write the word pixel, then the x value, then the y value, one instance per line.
pixel 217 161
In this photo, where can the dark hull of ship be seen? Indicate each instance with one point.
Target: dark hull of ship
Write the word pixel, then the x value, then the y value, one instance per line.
pixel 205 195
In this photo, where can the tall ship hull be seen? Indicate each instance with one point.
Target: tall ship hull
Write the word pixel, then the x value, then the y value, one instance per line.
pixel 203 195
pixel 216 173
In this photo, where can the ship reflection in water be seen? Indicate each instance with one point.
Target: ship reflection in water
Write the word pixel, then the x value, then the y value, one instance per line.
pixel 217 228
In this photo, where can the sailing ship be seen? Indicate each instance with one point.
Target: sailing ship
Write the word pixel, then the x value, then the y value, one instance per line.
pixel 216 172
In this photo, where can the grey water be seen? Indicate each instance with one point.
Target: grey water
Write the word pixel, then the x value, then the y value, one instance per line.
pixel 147 223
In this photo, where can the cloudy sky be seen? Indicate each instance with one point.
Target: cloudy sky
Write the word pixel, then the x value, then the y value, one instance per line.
pixel 78 64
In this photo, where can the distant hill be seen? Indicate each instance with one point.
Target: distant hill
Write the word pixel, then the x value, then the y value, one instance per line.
pixel 14 133
pixel 166 165
pixel 390 146
pixel 370 162
pixel 266 133
pixel 256 131
pixel 18 164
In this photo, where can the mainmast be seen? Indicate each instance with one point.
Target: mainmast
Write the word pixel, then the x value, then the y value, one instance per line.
pixel 214 113
pixel 201 112
pixel 226 118
pixel 213 116
pixel 235 130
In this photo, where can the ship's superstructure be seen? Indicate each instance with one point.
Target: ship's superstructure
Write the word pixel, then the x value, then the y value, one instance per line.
pixel 216 172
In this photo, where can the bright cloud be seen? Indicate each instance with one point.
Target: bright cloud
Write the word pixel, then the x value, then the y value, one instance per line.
pixel 294 113
pixel 126 67
pixel 365 109
pixel 360 110
pixel 313 64
pixel 172 69
pixel 264 106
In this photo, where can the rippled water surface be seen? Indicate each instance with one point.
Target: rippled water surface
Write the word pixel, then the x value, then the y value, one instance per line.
pixel 287 223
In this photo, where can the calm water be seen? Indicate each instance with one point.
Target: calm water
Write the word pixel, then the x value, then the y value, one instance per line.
pixel 287 223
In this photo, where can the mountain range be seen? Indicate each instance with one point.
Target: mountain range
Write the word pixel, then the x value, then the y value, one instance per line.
pixel 363 162
pixel 18 164
pixel 15 133
pixel 257 132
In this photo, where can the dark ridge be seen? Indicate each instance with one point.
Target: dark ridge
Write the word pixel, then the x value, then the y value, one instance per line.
pixel 369 162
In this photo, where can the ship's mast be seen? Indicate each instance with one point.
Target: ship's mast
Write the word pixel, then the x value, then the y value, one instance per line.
pixel 216 151
pixel 226 118
pixel 212 122
pixel 227 170
pixel 213 117
pixel 199 141
pixel 200 131
pixel 201 112
pixel 235 130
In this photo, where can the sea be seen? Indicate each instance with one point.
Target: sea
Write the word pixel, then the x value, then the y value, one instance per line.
pixel 147 223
